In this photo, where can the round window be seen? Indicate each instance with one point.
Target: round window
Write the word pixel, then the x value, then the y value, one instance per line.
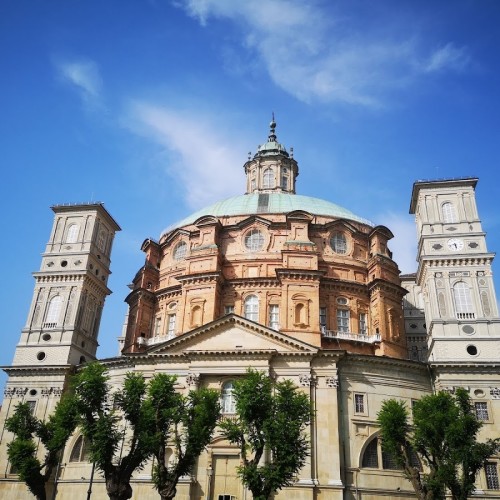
pixel 342 301
pixel 254 240
pixel 40 356
pixel 64 263
pixel 338 243
pixel 472 350
pixel 33 392
pixel 46 337
pixel 180 251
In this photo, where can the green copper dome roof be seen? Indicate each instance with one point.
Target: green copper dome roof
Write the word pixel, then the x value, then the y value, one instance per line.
pixel 270 203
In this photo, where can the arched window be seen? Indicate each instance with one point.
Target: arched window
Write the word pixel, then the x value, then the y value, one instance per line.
pixel 463 299
pixel 284 181
pixel 80 451
pixel 228 403
pixel 72 234
pixel 180 251
pixel 268 178
pixel 370 456
pixel 373 452
pixel 338 243
pixel 53 311
pixel 101 241
pixel 252 308
pixel 449 212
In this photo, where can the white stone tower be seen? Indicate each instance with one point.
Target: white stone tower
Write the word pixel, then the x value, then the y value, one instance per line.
pixel 70 289
pixel 63 320
pixel 454 273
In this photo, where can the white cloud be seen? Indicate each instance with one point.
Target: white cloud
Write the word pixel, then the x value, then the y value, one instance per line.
pixel 446 57
pixel 403 245
pixel 321 55
pixel 204 156
pixel 84 76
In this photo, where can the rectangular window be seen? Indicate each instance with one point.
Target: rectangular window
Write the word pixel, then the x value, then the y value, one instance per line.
pixel 274 316
pixel 228 309
pixel 322 316
pixel 171 326
pixel 481 408
pixel 359 403
pixel 491 470
pixel 343 320
pixel 32 406
pixel 362 324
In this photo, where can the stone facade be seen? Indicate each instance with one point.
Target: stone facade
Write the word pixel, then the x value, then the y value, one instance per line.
pixel 294 286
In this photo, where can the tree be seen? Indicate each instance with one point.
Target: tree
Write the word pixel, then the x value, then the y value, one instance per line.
pixel 53 434
pixel 444 436
pixel 188 422
pixel 100 426
pixel 269 428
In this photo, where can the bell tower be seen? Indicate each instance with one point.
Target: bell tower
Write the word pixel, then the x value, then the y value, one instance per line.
pixel 454 273
pixel 70 288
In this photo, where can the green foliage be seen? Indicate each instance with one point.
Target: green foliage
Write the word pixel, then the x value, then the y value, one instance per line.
pixel 444 435
pixel 271 419
pixel 184 422
pixel 99 420
pixel 53 434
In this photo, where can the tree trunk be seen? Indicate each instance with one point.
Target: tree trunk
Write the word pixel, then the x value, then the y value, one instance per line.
pixel 168 491
pixel 117 487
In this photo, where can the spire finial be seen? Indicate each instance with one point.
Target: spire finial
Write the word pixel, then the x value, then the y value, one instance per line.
pixel 272 132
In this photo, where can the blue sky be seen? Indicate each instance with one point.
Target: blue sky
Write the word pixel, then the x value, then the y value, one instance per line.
pixel 152 107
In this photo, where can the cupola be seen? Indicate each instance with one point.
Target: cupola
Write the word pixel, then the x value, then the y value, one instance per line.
pixel 272 169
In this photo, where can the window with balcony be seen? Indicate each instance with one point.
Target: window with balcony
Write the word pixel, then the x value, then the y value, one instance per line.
pixel 171 326
pixel 343 320
pixel 228 402
pixel 463 301
pixel 53 312
pixel 362 324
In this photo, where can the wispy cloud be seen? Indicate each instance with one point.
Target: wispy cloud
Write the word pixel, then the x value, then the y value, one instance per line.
pixel 314 55
pixel 447 57
pixel 203 154
pixel 403 245
pixel 83 76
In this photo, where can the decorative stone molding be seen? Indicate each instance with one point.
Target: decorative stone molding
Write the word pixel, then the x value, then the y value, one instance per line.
pixel 307 380
pixel 495 392
pixel 332 382
pixel 192 379
pixel 9 393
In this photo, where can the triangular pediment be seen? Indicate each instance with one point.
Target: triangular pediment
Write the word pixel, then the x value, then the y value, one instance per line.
pixel 232 333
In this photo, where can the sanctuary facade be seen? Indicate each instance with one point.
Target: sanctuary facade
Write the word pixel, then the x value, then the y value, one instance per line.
pixel 295 286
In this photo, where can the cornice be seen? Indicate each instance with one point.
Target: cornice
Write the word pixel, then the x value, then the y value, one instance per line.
pixel 299 274
pixel 38 370
pixel 190 279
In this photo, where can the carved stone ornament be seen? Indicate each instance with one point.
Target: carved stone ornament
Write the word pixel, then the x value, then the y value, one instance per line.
pixel 495 392
pixel 46 392
pixel 192 379
pixel 332 382
pixel 9 393
pixel 306 380
pixel 57 391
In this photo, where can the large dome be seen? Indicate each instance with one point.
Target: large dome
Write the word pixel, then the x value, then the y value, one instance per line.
pixel 270 203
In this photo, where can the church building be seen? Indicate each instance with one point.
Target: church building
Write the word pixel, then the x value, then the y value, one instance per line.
pixel 297 287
